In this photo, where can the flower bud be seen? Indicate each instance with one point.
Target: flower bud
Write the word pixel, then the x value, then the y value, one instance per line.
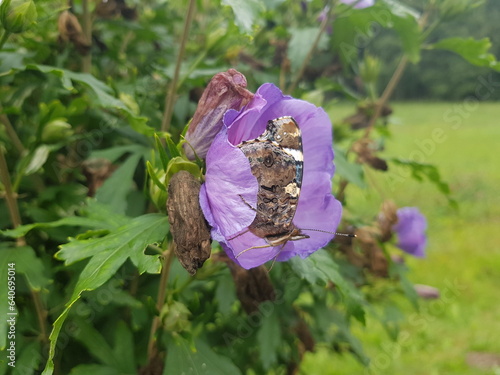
pixel 426 291
pixel 56 131
pixel 225 91
pixel 17 16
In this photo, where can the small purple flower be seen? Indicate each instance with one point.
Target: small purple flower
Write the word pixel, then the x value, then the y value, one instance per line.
pixel 228 179
pixel 359 4
pixel 410 229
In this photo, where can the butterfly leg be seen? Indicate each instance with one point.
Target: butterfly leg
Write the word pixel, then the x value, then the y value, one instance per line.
pixel 248 204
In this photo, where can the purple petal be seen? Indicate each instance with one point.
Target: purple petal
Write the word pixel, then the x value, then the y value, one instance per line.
pixel 317 210
pixel 410 229
pixel 359 4
pixel 227 181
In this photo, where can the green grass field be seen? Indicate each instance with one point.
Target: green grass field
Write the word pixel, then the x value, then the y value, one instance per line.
pixel 464 251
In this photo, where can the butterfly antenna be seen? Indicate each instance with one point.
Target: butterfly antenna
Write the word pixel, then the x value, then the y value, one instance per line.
pixel 335 233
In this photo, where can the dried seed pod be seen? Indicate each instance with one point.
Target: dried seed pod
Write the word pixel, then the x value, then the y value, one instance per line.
pixel 71 30
pixel 387 217
pixel 187 224
pixel 253 286
pixel 365 148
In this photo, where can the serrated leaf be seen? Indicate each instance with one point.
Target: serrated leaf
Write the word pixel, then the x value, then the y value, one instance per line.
pixel 475 51
pixel 246 12
pixel 420 171
pixel 320 268
pixel 352 172
pixel 182 359
pixel 269 339
pixel 108 254
pixel 135 235
pixel 300 43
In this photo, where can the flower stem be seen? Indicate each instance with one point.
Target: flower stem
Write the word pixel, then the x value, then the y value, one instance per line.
pixel 391 86
pixel 10 196
pixel 172 88
pixel 11 133
pixel 87 31
pixel 4 38
pixel 41 314
pixel 13 208
pixel 309 55
pixel 167 257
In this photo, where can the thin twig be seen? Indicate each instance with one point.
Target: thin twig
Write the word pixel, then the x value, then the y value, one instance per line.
pixel 167 257
pixel 172 89
pixel 87 31
pixel 11 133
pixel 396 77
pixel 41 314
pixel 309 55
pixel 10 196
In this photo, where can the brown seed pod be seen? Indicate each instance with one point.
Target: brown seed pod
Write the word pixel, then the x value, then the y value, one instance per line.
pixel 188 226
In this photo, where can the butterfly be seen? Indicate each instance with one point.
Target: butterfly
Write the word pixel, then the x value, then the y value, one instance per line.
pixel 277 162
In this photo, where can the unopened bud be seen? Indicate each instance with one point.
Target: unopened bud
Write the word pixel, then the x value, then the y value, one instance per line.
pixel 17 16
pixel 225 91
pixel 56 131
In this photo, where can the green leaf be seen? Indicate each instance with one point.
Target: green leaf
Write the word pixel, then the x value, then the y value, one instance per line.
pixel 420 171
pixel 115 189
pixel 131 237
pixel 269 339
pixel 114 153
pixel 409 31
pixel 474 51
pixel 95 343
pixel 182 359
pixel 101 92
pixel 225 294
pixel 154 177
pixel 75 221
pixel 94 370
pixel 180 164
pixel 38 159
pixel 124 347
pixel 25 263
pixel 246 12
pixel 108 254
pixel 320 268
pixel 173 152
pixel 352 172
pixel 300 43
pixel 399 271
pixel 161 150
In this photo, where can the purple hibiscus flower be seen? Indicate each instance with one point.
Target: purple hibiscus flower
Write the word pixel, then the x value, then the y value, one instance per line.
pixel 410 229
pixel 359 4
pixel 230 189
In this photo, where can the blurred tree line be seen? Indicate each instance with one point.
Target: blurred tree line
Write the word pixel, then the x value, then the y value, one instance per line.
pixel 443 75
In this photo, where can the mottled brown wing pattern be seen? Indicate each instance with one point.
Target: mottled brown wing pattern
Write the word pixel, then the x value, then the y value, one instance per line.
pixel 276 161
